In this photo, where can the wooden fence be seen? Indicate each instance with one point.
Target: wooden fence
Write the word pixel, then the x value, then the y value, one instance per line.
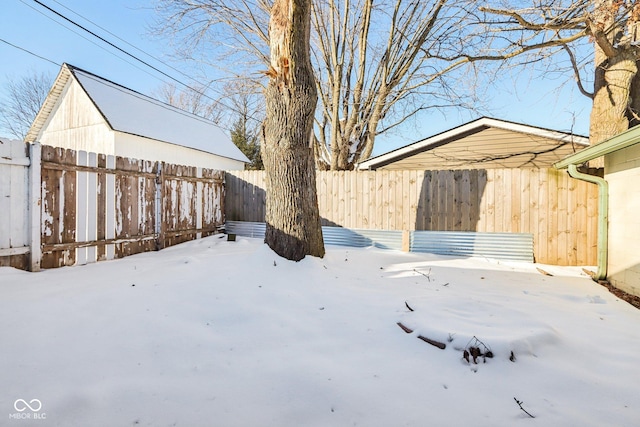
pixel 97 207
pixel 560 212
pixel 91 207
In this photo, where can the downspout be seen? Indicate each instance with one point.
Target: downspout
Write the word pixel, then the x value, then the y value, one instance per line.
pixel 603 217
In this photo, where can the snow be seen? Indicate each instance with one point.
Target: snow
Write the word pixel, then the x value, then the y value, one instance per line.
pixel 222 333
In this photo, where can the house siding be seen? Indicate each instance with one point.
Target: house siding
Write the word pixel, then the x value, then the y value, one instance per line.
pixel 623 174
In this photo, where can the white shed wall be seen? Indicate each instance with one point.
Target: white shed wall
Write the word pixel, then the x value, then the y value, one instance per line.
pixel 137 147
pixel 623 174
pixel 76 124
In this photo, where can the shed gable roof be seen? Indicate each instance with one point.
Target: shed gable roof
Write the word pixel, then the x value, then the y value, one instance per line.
pixel 128 111
pixel 483 143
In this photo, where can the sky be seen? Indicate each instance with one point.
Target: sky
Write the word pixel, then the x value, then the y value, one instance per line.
pixel 26 24
pixel 213 332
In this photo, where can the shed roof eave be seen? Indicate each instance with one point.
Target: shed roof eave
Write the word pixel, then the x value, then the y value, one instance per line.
pixel 49 103
pixel 618 142
pixel 237 159
pixel 464 130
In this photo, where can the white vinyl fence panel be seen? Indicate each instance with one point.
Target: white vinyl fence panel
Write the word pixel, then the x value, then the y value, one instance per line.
pixel 14 200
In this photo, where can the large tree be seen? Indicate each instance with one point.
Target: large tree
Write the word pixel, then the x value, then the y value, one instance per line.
pixel 377 64
pixel 292 216
pixel 600 40
pixel 20 101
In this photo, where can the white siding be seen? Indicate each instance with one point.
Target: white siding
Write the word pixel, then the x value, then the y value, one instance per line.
pixel 75 123
pixel 623 174
pixel 137 147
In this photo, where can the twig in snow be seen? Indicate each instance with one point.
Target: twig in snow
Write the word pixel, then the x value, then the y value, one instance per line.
pixel 541 271
pixel 434 343
pixel 404 328
pixel 523 410
pixel 425 275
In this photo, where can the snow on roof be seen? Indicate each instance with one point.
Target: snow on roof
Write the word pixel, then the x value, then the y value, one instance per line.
pixel 131 112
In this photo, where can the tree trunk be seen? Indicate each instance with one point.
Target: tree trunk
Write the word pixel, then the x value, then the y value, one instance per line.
pixel 292 216
pixel 615 72
pixel 612 94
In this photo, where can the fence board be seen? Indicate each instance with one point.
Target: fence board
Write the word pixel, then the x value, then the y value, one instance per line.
pixel 104 207
pixel 559 211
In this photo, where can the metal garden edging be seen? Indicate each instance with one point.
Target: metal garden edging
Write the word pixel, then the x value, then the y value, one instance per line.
pixel 503 246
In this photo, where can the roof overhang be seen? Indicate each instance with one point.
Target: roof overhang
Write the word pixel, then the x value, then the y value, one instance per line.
pixel 49 103
pixel 464 130
pixel 618 142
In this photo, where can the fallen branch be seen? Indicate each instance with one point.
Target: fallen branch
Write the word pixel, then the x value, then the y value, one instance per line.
pixel 434 343
pixel 546 273
pixel 523 410
pixel 405 328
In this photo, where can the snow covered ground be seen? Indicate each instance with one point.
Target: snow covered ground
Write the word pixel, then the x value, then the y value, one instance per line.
pixel 217 333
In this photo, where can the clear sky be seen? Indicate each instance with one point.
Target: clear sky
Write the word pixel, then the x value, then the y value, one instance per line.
pixel 28 25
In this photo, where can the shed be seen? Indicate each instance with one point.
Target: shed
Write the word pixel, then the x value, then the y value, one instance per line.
pixel 485 143
pixel 618 242
pixel 86 112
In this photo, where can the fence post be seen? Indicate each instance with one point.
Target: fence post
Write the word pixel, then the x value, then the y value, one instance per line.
pixel 199 202
pixel 35 205
pixel 406 240
pixel 159 226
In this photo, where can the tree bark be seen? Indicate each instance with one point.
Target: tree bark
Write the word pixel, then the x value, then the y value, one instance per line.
pixel 612 95
pixel 293 220
pixel 615 72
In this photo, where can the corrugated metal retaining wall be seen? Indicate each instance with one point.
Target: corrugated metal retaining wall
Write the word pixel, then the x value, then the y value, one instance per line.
pixel 504 246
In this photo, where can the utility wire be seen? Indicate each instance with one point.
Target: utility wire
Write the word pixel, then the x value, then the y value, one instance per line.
pixel 127 91
pixel 30 53
pixel 131 55
pixel 119 49
pixel 89 40
pixel 126 42
pixel 111 44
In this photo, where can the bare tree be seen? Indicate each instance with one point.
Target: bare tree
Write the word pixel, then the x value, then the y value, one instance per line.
pixel 238 107
pixel 600 40
pixel 292 216
pixel 377 64
pixel 21 100
pixel 191 99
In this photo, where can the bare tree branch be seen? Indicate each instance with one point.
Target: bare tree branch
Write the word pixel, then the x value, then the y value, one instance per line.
pixel 21 101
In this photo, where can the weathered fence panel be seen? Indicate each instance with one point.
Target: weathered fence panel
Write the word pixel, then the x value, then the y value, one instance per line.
pixel 97 207
pixel 193 202
pixel 559 211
